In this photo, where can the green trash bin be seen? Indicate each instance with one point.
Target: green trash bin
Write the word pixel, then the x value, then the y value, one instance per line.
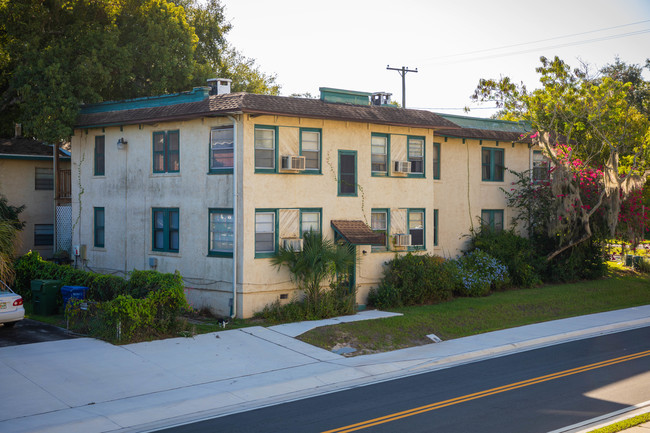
pixel 45 296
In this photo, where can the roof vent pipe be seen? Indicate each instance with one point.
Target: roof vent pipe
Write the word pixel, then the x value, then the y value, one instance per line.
pixel 219 86
pixel 18 130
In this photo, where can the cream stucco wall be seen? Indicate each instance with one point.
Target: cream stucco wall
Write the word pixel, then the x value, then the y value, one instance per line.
pixel 17 183
pixel 263 283
pixel 129 190
pixel 461 194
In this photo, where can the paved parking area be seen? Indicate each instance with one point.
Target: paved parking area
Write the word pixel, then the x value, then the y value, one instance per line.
pixel 30 331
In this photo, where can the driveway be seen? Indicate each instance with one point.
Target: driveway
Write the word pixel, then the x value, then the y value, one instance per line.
pixel 30 331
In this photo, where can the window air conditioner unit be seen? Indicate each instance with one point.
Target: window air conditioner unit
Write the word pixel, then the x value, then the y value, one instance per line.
pixel 292 162
pixel 401 166
pixel 292 244
pixel 402 240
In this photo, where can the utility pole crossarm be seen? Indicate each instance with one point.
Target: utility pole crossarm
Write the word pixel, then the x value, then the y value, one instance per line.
pixel 402 71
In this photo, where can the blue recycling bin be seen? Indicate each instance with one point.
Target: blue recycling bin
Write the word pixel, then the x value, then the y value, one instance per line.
pixel 73 292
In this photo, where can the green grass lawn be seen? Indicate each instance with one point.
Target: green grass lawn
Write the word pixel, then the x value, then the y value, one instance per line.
pixel 468 316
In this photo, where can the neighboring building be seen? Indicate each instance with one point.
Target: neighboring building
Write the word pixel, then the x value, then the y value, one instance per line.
pixel 156 187
pixel 27 177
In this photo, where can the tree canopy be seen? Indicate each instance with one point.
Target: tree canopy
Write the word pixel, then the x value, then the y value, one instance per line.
pixel 582 121
pixel 56 55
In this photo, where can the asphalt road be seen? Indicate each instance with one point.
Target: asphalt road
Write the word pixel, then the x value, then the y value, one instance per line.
pixel 29 331
pixel 535 391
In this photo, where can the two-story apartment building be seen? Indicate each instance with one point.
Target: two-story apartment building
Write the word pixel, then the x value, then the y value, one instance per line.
pixel 211 185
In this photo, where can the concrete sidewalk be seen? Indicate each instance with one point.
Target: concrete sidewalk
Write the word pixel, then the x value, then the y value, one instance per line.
pixel 86 385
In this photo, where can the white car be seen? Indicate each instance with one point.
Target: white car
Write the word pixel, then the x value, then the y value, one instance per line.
pixel 11 306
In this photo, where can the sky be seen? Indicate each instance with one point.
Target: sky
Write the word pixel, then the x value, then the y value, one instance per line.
pixel 348 44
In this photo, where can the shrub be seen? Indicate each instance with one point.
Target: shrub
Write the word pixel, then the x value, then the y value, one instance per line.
pixel 339 300
pixel 149 303
pixel 585 261
pixel 479 273
pixel 414 280
pixel 515 252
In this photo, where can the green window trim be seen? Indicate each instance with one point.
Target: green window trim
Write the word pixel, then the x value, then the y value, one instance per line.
pixel 318 170
pixel 214 252
pixel 415 158
pixel 213 151
pixel 100 155
pixel 409 218
pixel 166 158
pixel 165 230
pixel 99 227
pixel 436 161
pixel 266 254
pixel 385 231
pixel 350 177
pixel 435 227
pixel 493 218
pixel 304 211
pixel 275 150
pixel 492 164
pixel 380 173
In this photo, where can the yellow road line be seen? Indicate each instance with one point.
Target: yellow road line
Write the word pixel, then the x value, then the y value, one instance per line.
pixel 488 392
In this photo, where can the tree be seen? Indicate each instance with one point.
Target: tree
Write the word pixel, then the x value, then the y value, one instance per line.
pixel 639 91
pixel 589 120
pixel 320 260
pixel 56 55
pixel 10 213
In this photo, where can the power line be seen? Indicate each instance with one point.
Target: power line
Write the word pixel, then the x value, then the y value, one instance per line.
pixel 548 47
pixel 536 42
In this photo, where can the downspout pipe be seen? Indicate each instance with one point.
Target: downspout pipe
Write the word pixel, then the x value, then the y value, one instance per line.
pixel 235 214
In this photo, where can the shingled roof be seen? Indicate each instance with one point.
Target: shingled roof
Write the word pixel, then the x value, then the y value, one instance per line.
pixel 234 103
pixel 485 129
pixel 27 147
pixel 357 232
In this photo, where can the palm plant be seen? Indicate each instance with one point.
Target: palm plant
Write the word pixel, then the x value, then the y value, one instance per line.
pixel 8 236
pixel 320 260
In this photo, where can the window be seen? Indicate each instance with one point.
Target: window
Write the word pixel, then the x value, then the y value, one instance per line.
pixel 43 234
pixel 100 156
pixel 310 145
pixel 541 166
pixel 347 173
pixel 221 149
pixel 44 179
pixel 264 233
pixel 309 221
pixel 166 152
pixel 492 219
pixel 165 229
pixel 436 160
pixel 435 227
pixel 416 154
pixel 99 230
pixel 379 225
pixel 492 164
pixel 416 227
pixel 221 232
pixel 379 154
pixel 265 147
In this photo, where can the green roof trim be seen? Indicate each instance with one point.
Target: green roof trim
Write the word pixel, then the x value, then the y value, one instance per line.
pixel 487 124
pixel 340 96
pixel 194 95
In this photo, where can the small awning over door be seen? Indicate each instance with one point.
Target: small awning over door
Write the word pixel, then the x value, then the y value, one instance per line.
pixel 357 232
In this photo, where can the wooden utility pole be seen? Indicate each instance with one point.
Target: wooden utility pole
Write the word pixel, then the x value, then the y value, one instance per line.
pixel 402 71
